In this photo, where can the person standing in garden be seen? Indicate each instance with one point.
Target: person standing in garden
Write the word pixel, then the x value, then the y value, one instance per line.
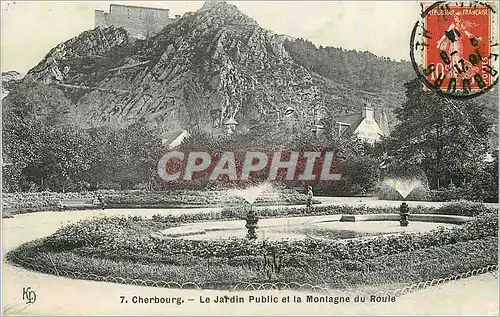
pixel 102 204
pixel 309 196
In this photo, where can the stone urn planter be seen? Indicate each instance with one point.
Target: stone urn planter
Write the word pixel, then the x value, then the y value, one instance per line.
pixel 404 213
pixel 251 224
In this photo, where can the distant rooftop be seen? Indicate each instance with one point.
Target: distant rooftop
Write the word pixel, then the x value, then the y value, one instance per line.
pixel 137 7
pixel 288 37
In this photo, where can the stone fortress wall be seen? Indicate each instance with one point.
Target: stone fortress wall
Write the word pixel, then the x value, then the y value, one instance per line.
pixel 140 22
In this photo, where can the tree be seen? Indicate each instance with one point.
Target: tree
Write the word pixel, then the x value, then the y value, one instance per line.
pixel 44 149
pixel 48 156
pixel 360 175
pixel 40 145
pixel 446 138
pixel 130 155
pixel 484 185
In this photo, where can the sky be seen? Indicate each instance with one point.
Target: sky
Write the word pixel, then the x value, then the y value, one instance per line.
pixel 29 29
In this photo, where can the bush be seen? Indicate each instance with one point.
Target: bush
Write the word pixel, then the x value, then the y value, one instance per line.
pixel 109 186
pixel 483 184
pixel 468 192
pixel 88 233
pixel 464 208
pixel 405 267
pixel 447 194
pixel 485 225
pixel 123 246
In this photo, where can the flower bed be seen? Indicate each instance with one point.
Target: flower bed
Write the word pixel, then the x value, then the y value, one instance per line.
pixel 400 269
pixel 124 246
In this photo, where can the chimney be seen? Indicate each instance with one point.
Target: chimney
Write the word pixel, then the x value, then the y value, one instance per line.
pixel 177 16
pixel 367 112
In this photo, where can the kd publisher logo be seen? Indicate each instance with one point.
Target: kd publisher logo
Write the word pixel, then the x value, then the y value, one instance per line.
pixel 29 295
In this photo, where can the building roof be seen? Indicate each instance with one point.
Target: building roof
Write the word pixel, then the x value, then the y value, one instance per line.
pixel 288 37
pixel 170 135
pixel 354 120
pixel 231 121
pixel 173 138
pixel 493 141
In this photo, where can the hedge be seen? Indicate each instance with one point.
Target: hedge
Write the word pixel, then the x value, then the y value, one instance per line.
pixel 15 203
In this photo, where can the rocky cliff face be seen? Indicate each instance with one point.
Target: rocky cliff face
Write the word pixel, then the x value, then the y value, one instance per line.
pixel 89 44
pixel 209 67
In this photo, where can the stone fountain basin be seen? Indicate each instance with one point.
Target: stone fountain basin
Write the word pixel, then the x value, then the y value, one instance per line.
pixel 412 217
pixel 278 228
pixel 203 227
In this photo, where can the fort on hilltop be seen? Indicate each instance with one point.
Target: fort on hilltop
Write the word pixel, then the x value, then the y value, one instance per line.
pixel 140 22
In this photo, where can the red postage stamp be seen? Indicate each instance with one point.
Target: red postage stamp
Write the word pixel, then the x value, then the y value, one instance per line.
pixel 458 47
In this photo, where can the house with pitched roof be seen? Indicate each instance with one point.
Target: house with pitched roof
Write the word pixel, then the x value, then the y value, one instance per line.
pixel 368 125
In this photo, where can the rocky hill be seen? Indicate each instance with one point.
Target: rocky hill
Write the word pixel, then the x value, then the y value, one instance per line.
pixel 209 67
pixel 9 80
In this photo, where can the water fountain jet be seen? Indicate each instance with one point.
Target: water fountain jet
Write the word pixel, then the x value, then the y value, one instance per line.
pixel 404 188
pixel 250 195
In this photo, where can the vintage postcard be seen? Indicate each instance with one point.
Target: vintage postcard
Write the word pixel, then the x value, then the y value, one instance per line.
pixel 183 158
